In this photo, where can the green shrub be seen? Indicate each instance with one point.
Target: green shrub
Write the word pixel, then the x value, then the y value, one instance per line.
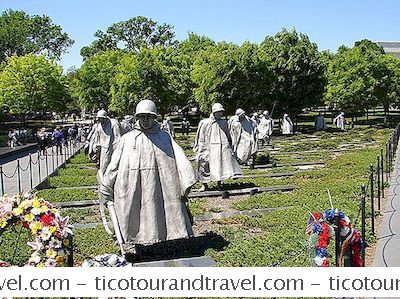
pixel 91 242
pixel 72 181
pixel 77 172
pixel 63 195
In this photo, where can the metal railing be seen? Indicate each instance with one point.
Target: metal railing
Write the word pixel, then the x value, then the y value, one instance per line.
pixel 38 167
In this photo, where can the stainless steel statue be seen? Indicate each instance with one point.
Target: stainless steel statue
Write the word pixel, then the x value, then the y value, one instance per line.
pixel 216 160
pixel 243 133
pixel 147 179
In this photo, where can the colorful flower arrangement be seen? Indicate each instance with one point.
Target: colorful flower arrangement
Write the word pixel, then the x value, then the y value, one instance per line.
pixel 320 233
pixel 320 228
pixel 107 260
pixel 51 232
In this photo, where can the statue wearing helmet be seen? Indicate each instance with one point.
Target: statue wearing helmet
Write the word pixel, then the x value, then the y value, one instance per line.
pixel 168 127
pixel 243 133
pixel 126 124
pixel 103 138
pixel 216 160
pixel 287 125
pixel 340 121
pixel 148 180
pixel 265 128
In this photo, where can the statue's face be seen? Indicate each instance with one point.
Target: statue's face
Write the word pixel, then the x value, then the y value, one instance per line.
pixel 102 120
pixel 218 114
pixel 241 117
pixel 146 121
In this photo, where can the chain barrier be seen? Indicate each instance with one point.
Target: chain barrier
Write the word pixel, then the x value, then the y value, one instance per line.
pixel 31 161
pixel 11 176
pixel 24 169
pixel 37 160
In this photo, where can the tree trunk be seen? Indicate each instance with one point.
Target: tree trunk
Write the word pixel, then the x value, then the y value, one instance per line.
pixel 352 122
pixel 386 115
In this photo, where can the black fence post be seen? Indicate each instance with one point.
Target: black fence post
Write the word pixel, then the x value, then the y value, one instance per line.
pixel 1 180
pixel 382 177
pixel 52 156
pixel 39 168
pixel 390 157
pixel 363 195
pixel 19 176
pixel 47 164
pixel 387 162
pixel 337 237
pixel 371 168
pixel 56 157
pixel 378 181
pixel 70 260
pixel 30 171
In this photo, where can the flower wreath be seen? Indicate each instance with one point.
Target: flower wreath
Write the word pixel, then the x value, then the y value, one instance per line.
pixel 320 228
pixel 52 232
pixel 107 260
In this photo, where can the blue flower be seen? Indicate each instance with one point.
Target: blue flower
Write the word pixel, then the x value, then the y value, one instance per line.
pixel 317 228
pixel 322 252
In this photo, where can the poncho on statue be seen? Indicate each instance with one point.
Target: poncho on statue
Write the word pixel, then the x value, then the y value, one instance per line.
pixel 103 139
pixel 243 134
pixel 265 126
pixel 216 160
pixel 147 177
pixel 287 125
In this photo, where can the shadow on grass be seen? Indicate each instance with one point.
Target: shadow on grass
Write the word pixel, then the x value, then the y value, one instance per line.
pixel 181 248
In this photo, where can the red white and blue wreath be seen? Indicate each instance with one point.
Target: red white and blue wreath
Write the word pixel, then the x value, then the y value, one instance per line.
pixel 320 229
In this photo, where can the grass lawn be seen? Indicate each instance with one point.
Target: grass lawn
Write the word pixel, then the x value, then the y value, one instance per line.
pixel 274 239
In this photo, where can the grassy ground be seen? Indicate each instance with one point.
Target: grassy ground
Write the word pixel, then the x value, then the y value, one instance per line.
pixel 275 239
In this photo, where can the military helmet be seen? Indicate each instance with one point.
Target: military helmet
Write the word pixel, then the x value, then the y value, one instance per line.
pixel 146 107
pixel 102 114
pixel 239 112
pixel 217 107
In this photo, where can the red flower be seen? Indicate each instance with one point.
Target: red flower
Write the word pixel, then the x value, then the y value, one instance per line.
pixel 325 263
pixel 47 219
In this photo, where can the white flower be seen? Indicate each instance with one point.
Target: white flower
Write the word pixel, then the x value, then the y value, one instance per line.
pixel 112 260
pixel 319 260
pixel 46 233
pixel 54 243
pixel 35 258
pixel 36 211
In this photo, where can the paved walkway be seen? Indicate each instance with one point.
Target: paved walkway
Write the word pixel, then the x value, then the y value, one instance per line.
pixel 388 247
pixel 31 174
pixel 6 152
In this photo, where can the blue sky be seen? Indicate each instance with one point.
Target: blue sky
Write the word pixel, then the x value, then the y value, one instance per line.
pixel 327 23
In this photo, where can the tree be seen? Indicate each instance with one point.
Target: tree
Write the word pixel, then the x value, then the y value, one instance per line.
pixel 362 77
pixel 231 75
pixel 32 83
pixel 131 35
pixel 22 34
pixel 92 82
pixel 150 74
pixel 298 69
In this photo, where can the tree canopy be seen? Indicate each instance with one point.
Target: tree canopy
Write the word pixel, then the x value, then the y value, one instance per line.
pixel 131 35
pixel 362 77
pixel 32 83
pixel 231 75
pixel 21 34
pixel 298 69
pixel 154 74
pixel 92 81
